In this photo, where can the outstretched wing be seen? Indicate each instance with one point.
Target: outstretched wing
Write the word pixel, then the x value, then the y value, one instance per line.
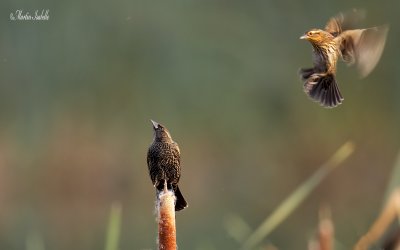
pixel 363 47
pixel 344 21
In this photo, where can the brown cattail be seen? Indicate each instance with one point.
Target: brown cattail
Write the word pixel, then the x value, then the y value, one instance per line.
pixel 166 220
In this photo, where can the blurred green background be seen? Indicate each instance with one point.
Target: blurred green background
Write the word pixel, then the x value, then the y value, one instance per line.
pixel 77 93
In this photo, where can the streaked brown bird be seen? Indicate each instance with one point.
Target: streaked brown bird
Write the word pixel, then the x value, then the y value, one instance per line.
pixel 164 163
pixel 340 39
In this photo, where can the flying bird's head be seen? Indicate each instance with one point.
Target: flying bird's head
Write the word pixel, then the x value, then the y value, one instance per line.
pixel 317 37
pixel 160 132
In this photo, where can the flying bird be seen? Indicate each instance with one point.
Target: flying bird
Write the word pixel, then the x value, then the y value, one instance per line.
pixel 360 47
pixel 164 163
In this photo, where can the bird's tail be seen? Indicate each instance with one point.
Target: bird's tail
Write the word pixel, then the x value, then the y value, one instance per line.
pixel 321 88
pixel 180 201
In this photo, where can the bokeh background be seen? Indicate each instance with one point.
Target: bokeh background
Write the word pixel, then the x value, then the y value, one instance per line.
pixel 77 93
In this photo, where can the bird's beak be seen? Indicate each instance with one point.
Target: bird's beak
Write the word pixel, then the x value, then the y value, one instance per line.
pixel 304 37
pixel 155 124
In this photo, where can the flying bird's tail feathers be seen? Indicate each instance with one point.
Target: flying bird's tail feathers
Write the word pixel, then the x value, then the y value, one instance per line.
pixel 321 88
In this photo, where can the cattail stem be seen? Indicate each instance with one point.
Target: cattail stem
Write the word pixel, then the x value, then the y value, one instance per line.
pixel 166 220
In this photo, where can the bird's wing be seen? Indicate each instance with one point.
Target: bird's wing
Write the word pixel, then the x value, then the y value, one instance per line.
pixel 344 21
pixel 363 47
pixel 152 163
pixel 177 147
pixel 176 153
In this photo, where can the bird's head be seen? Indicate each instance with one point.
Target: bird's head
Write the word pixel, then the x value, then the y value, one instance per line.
pixel 317 36
pixel 160 132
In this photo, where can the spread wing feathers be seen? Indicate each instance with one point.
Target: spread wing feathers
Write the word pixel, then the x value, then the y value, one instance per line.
pixel 345 21
pixel 323 88
pixel 363 47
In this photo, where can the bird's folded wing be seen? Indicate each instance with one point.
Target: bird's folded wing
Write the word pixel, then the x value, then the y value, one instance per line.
pixel 363 47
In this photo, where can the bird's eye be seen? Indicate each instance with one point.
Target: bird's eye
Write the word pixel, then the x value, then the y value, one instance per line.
pixel 310 33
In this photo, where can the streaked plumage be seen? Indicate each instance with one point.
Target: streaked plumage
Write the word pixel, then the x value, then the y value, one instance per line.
pixel 164 163
pixel 361 47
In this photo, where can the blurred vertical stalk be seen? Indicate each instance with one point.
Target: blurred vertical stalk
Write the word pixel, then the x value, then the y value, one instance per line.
pixel 114 225
pixel 34 241
pixel 326 231
pixel 166 220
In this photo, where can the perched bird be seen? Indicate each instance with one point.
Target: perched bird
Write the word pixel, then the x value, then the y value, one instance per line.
pixel 339 39
pixel 164 163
